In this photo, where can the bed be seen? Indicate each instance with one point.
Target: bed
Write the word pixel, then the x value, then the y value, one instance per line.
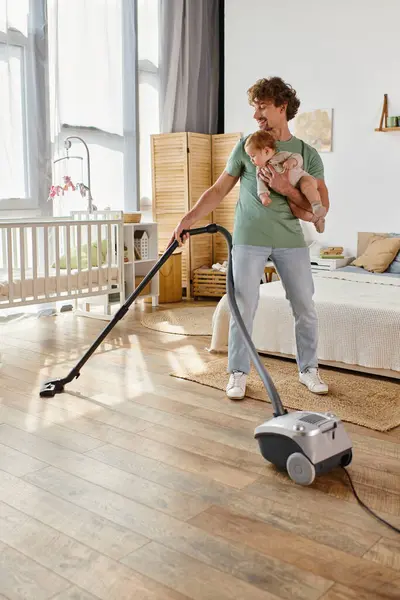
pixel 358 314
pixel 56 259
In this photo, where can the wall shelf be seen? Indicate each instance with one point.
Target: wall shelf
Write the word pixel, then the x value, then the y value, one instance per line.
pixel 383 122
pixel 388 129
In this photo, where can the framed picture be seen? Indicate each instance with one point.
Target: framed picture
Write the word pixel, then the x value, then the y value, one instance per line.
pixel 314 127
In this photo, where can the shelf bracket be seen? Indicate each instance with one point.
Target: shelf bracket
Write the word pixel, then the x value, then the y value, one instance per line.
pixel 384 115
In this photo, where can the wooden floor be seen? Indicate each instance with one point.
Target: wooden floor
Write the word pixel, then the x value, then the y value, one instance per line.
pixel 138 485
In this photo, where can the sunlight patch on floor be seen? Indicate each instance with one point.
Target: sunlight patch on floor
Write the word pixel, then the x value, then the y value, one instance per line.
pixel 190 359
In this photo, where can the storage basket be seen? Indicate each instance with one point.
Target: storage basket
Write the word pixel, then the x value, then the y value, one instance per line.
pixel 209 282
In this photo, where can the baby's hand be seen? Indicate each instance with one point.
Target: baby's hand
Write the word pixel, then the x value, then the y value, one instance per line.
pixel 290 163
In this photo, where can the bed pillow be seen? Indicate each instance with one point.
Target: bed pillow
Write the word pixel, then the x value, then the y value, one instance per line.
pixel 380 253
pixel 394 266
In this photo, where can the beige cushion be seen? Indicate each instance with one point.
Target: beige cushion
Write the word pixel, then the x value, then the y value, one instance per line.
pixel 380 252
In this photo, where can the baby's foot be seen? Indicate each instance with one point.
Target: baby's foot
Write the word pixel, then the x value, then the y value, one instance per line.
pixel 265 199
pixel 318 209
pixel 320 225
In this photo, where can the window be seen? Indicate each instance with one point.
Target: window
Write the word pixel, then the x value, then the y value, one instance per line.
pixel 15 187
pixel 13 154
pixel 87 98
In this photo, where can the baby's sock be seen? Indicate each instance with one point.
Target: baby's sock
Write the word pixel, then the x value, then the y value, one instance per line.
pixel 320 225
pixel 318 209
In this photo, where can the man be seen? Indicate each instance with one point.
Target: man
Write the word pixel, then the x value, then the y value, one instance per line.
pixel 273 232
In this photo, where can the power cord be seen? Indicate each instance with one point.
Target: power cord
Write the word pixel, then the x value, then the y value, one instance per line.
pixel 365 506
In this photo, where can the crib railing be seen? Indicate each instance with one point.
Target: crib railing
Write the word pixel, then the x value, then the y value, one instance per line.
pixel 61 258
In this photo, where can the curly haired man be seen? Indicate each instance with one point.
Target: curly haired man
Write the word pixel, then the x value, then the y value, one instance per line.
pixel 272 232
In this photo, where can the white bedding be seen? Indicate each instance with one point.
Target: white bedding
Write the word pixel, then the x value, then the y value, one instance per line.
pixel 77 281
pixel 358 314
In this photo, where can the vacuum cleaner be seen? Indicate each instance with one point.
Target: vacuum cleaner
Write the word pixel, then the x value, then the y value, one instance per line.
pixel 302 443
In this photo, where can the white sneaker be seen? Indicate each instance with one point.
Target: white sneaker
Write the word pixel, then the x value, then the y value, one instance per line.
pixel 236 388
pixel 313 381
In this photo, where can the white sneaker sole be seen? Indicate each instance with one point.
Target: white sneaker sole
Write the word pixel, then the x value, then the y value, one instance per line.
pixel 235 397
pixel 321 393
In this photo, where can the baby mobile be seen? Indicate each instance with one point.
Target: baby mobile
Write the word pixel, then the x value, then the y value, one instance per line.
pixel 68 184
pixel 59 190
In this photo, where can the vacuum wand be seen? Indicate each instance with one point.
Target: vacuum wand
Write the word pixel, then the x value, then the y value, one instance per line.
pixel 56 386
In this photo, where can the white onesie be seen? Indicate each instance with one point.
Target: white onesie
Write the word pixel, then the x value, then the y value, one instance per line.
pixel 277 161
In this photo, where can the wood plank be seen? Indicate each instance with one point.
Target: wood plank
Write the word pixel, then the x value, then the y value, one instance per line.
pixel 228 436
pixel 187 576
pixel 78 406
pixel 241 459
pixel 48 430
pixel 336 484
pixel 278 487
pixel 385 552
pixel 244 563
pixel 22 578
pixel 16 463
pixel 342 592
pixel 128 485
pixel 74 593
pixel 97 574
pixel 301 521
pixel 155 470
pixel 308 555
pixel 94 531
pixel 194 463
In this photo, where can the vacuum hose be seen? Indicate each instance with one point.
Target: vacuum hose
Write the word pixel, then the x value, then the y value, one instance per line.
pixel 263 373
pixel 56 386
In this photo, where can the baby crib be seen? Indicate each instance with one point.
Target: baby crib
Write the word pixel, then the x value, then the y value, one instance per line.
pixel 57 259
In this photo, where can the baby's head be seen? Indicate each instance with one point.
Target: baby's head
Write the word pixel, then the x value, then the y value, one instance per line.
pixel 261 147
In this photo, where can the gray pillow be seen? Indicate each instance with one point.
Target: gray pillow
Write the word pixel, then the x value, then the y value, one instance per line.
pixel 394 266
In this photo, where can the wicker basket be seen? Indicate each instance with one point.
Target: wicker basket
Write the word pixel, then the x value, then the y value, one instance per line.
pixel 208 282
pixel 132 217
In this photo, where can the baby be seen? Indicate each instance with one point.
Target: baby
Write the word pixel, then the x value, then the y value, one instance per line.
pixel 261 148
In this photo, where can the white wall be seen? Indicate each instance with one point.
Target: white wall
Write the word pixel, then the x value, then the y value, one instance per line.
pixel 340 54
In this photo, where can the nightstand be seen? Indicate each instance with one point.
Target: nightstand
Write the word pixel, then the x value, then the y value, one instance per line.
pixel 270 271
pixel 328 264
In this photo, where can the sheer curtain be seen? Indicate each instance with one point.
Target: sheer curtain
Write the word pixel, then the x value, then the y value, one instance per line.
pixel 149 92
pixel 92 45
pixel 24 136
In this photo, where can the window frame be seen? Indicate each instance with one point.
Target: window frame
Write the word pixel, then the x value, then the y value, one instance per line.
pixel 35 60
pixel 17 39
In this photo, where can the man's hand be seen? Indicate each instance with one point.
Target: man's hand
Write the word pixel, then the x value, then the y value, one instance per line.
pixel 276 181
pixel 185 223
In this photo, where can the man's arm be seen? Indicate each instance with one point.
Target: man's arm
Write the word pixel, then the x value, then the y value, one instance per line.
pixel 304 213
pixel 207 202
pixel 212 197
pixel 281 184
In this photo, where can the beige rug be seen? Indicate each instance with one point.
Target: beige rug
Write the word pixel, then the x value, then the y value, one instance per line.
pixel 191 320
pixel 354 398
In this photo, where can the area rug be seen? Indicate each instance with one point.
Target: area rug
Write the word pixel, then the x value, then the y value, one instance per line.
pixel 372 403
pixel 190 320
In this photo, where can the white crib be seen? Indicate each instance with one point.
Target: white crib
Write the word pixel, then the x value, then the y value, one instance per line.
pixel 57 259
